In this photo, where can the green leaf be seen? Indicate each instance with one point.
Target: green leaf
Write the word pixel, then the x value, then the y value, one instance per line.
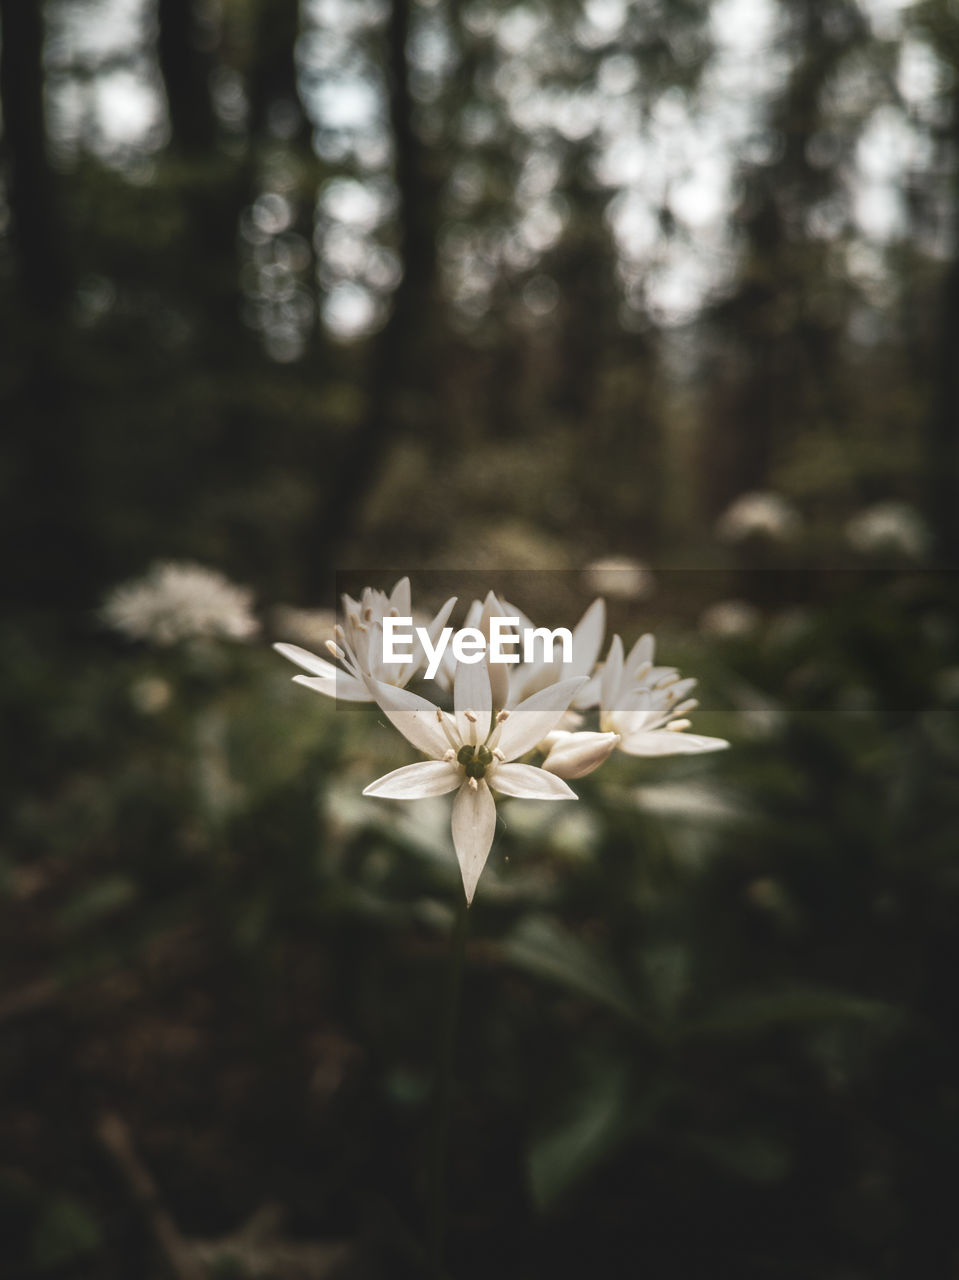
pixel 541 946
pixel 65 1230
pixel 793 1007
pixel 594 1126
pixel 102 899
pixel 754 1157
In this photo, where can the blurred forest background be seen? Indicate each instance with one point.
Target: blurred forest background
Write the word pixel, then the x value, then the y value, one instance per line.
pixel 295 287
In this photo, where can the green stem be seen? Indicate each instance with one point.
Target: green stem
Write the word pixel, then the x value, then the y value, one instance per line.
pixel 443 1089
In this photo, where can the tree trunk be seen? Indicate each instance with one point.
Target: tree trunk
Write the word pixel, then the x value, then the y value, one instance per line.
pixel 37 234
pixel 185 68
pixel 942 434
pixel 393 362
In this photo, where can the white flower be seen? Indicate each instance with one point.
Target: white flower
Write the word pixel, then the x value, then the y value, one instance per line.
pixel 759 514
pixel 620 577
pixel 646 705
pixel 178 600
pixel 359 646
pixel 574 755
pixel 890 527
pixel 730 619
pixel 472 753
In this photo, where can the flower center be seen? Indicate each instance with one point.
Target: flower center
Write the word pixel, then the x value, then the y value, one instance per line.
pixel 475 760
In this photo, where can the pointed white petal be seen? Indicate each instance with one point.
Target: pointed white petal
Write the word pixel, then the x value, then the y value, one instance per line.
pixel 588 696
pixel 345 687
pixel 612 674
pixel 498 671
pixel 663 742
pixel 308 661
pixel 400 598
pixel 433 629
pixel 533 719
pixel 471 693
pixel 588 639
pixel 413 716
pixel 416 781
pixel 574 755
pixel 643 651
pixel 474 822
pixel 529 783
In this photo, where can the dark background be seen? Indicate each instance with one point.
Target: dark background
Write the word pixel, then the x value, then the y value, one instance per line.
pixel 295 289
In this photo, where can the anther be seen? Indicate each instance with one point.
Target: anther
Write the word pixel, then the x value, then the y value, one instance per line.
pixel 474 785
pixel 471 716
pixel 498 755
pixel 336 651
pixel 677 725
pixel 501 716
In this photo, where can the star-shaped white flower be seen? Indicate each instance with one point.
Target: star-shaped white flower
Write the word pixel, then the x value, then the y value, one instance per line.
pixel 359 646
pixel 473 752
pixel 647 705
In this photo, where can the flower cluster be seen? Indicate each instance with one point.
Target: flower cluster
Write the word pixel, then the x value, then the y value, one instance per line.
pixel 178 600
pixel 515 727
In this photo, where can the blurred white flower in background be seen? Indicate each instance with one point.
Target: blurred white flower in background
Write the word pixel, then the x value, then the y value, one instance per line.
pixel 180 600
pixel 620 577
pixel 759 514
pixel 891 528
pixel 150 695
pixel 730 619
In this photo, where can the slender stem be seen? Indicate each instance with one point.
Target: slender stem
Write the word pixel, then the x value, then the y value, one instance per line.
pixel 443 1088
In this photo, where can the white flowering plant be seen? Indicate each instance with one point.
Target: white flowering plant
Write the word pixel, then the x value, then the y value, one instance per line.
pixel 517 724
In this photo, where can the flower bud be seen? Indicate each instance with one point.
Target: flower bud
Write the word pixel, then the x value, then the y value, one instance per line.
pixel 574 755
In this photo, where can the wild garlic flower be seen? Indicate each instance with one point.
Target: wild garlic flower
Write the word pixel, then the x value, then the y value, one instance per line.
pixel 574 755
pixel 889 528
pixel 179 600
pixel 472 752
pixel 647 705
pixel 359 646
pixel 760 514
pixel 621 577
pixel 510 700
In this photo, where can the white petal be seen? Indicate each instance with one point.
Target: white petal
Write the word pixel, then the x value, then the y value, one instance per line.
pixel 416 781
pixel 308 661
pixel 574 755
pixel 345 687
pixel 532 720
pixel 400 598
pixel 664 742
pixel 588 639
pixel 413 716
pixel 436 624
pixel 643 651
pixel 612 674
pixel 474 822
pixel 529 783
pixel 498 671
pixel 588 696
pixel 471 692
